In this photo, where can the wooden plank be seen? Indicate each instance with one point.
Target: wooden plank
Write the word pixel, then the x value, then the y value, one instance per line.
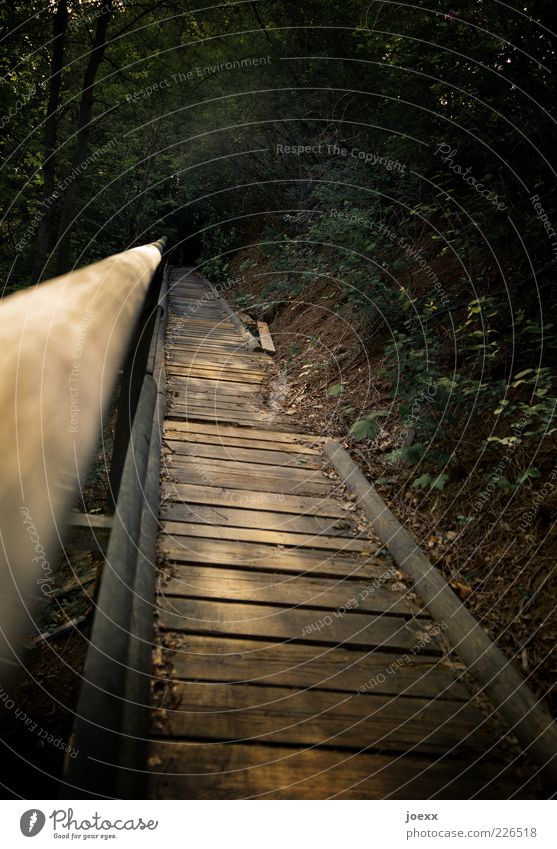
pixel 182 341
pixel 263 587
pixel 237 480
pixel 202 344
pixel 185 385
pixel 224 430
pixel 181 327
pixel 220 364
pixel 244 454
pixel 243 413
pixel 234 771
pixel 192 494
pixel 203 336
pixel 237 410
pixel 284 448
pixel 174 367
pixel 217 358
pixel 212 346
pixel 185 397
pixel 218 361
pixel 254 620
pixel 299 561
pixel 221 367
pixel 226 712
pixel 188 402
pixel 179 334
pixel 233 660
pixel 181 324
pixel 209 321
pixel 206 384
pixel 213 393
pixel 215 414
pixel 215 417
pixel 222 514
pixel 87 532
pixel 187 313
pixel 265 338
pixel 332 543
pixel 190 457
pixel 201 322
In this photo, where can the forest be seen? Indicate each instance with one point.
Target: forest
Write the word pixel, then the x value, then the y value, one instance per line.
pixel 376 182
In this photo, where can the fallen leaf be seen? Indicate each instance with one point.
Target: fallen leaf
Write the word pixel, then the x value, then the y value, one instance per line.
pixel 462 590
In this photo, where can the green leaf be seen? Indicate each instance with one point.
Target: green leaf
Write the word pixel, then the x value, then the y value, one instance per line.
pixel 433 483
pixel 422 482
pixel 335 390
pixel 364 428
pixel 440 481
pixel 529 473
pixel 523 373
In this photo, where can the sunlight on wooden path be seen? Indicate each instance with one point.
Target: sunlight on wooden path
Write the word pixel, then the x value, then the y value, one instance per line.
pixel 277 623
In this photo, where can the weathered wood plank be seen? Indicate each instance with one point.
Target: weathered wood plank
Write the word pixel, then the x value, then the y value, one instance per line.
pixel 213 415
pixel 242 481
pixel 182 342
pixel 220 363
pixel 256 620
pixel 250 454
pixel 272 423
pixel 176 367
pixel 214 393
pixel 230 430
pixel 332 543
pixel 264 587
pixel 254 555
pixel 235 771
pixel 284 448
pixel 225 387
pixel 228 712
pixel 192 494
pixel 240 661
pixel 177 459
pixel 188 403
pixel 265 336
pixel 87 532
pixel 204 514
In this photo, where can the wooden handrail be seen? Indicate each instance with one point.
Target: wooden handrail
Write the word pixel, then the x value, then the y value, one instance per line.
pixel 63 343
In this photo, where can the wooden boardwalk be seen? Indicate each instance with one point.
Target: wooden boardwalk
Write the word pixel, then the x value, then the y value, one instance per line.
pixel 291 662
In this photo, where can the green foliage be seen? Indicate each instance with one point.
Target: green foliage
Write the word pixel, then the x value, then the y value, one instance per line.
pixel 215 252
pixel 426 481
pixel 335 390
pixel 413 258
pixel 366 427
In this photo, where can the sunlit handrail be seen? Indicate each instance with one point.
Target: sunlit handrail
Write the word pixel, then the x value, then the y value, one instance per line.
pixel 62 345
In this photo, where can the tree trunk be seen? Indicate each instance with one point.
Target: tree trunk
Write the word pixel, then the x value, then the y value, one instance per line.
pixel 69 207
pixel 59 30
